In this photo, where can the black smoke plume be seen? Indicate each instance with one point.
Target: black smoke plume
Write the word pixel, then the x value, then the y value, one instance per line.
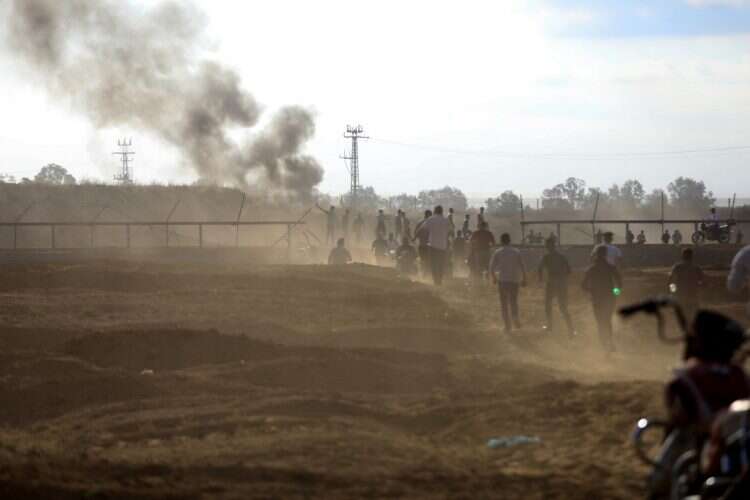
pixel 121 65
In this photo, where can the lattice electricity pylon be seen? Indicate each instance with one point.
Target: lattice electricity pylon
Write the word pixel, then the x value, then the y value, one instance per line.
pixel 354 133
pixel 125 176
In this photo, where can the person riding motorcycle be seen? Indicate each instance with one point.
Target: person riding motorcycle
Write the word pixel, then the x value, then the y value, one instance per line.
pixel 705 387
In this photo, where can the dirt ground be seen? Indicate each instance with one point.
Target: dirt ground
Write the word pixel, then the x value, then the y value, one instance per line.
pixel 137 380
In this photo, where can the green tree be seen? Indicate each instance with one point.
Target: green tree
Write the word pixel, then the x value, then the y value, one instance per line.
pixel 448 197
pixel 508 203
pixel 688 194
pixel 54 174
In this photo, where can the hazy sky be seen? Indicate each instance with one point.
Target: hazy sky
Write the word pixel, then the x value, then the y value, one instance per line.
pixel 486 96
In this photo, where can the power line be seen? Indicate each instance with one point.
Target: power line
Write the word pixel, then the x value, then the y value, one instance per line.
pixel 569 156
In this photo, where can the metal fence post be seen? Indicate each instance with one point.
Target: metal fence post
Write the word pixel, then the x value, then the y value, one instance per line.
pixel 200 235
pixel 127 235
pixel 52 234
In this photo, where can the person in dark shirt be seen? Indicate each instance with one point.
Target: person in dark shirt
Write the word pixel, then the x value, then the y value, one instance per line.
pixel 339 256
pixel 684 283
pixel 557 269
pixel 330 222
pixel 380 250
pixel 602 280
pixel 357 227
pixel 481 243
pixel 423 236
pixel 459 250
pixel 665 237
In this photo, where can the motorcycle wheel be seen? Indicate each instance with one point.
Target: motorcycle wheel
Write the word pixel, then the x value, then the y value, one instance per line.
pixel 724 237
pixel 698 238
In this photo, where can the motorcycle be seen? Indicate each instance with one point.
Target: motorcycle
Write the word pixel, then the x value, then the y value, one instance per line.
pixel 713 232
pixel 687 480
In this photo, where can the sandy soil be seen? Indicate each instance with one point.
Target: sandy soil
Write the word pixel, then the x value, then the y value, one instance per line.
pixel 127 380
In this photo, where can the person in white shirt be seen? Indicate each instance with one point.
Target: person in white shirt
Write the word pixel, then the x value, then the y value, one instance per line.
pixel 437 229
pixel 509 273
pixel 614 254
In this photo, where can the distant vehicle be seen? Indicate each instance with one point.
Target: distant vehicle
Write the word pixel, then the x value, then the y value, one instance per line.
pixel 713 232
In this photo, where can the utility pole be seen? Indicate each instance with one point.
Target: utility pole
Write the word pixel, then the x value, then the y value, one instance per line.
pixel 354 133
pixel 125 177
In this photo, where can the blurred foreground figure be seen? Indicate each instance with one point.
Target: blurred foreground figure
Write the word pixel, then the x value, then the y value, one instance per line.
pixel 685 282
pixel 508 272
pixel 380 224
pixel 438 230
pixel 557 269
pixel 480 247
pixel 339 256
pixel 406 257
pixel 706 386
pixel 603 282
pixel 740 271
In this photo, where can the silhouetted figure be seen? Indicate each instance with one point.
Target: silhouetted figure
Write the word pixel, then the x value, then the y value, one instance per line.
pixel 406 231
pixel 629 237
pixel 685 282
pixel 392 244
pixel 641 239
pixel 557 268
pixel 467 221
pixel 459 250
pixel 451 224
pixel 437 229
pixel 330 223
pixel 358 227
pixel 480 247
pixel 665 237
pixel 345 223
pixel 399 223
pixel 406 257
pixel 380 224
pixel 508 272
pixel 423 249
pixel 480 217
pixel 603 282
pixel 677 237
pixel 552 238
pixel 380 250
pixel 339 256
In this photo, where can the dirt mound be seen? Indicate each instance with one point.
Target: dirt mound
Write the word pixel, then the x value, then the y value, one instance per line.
pixel 167 349
pixel 34 386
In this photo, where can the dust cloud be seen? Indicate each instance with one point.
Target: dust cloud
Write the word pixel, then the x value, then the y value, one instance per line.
pixel 120 64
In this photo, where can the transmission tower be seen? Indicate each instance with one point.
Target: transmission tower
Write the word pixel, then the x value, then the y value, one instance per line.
pixel 125 177
pixel 354 133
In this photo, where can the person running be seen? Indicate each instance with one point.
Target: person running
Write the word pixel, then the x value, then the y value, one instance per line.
pixel 508 273
pixel 437 229
pixel 423 249
pixel 665 237
pixel 339 256
pixel 459 250
pixel 740 271
pixel 406 257
pixel 685 282
pixel 641 239
pixel 345 223
pixel 558 270
pixel 380 224
pixel 614 254
pixel 380 250
pixel 677 237
pixel 399 224
pixel 481 243
pixel 358 227
pixel 602 280
pixel 451 223
pixel 330 222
